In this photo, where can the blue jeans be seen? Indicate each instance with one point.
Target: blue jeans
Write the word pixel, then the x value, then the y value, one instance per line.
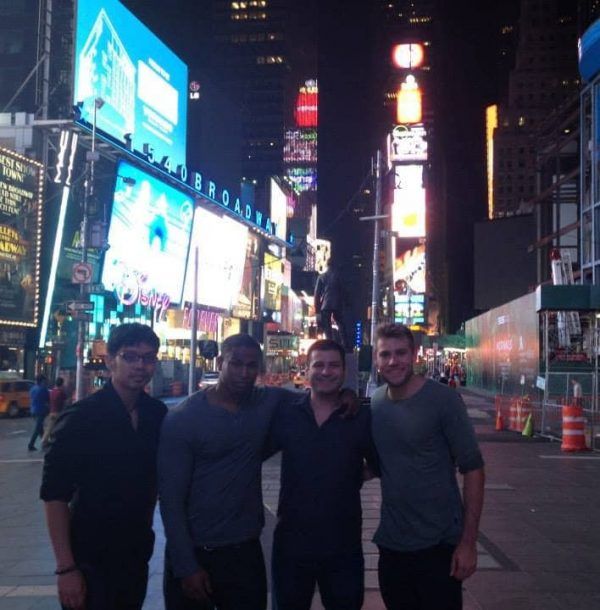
pixel 340 578
pixel 38 429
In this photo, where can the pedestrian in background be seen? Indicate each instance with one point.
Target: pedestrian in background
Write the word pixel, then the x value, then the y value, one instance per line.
pixel 58 399
pixel 99 481
pixel 39 407
pixel 427 535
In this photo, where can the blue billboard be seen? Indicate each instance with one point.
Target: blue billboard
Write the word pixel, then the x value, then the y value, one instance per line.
pixel 141 82
pixel 148 239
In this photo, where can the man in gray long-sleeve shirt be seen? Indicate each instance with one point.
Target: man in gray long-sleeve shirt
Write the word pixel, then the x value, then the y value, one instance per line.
pixel 209 467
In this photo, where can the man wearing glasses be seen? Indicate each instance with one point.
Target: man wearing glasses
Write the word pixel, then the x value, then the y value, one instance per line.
pixel 99 481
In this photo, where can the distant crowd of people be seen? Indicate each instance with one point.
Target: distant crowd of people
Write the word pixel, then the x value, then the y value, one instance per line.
pixel 112 454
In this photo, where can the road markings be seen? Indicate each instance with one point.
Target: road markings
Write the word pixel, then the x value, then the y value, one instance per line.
pixel 32 591
pixel 570 457
pixel 16 432
pixel 24 461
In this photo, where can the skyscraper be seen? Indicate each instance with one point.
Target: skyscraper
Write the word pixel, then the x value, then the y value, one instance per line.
pixel 544 77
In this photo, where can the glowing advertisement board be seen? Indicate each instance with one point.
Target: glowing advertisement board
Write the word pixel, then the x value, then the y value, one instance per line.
pixel 408 208
pixel 407 143
pixel 142 83
pixel 409 271
pixel 300 146
pixel 21 186
pixel 273 280
pixel 246 306
pixel 302 178
pixel 149 237
pixel 409 309
pixel 221 243
pixel 279 209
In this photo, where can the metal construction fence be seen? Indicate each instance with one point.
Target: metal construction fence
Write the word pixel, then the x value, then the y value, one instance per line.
pixel 547 409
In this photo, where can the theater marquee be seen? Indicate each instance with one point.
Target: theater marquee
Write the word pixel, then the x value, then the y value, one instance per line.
pixel 21 185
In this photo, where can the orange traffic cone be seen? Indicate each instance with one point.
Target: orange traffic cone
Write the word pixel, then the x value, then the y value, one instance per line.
pixel 499 421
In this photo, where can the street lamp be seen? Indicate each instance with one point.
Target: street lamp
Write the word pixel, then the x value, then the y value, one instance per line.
pixel 91 157
pixel 376 218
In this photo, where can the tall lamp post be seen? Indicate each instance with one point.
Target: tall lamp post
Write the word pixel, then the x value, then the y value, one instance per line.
pixel 88 193
pixel 377 218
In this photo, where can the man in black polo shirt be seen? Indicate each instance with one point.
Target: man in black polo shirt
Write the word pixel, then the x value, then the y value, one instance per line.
pixel 99 481
pixel 318 535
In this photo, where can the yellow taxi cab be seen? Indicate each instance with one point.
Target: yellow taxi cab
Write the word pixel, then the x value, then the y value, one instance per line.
pixel 14 397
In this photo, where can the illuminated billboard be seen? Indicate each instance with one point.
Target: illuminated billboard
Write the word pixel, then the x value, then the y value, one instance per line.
pixel 409 308
pixel 409 108
pixel 409 271
pixel 279 209
pixel 246 306
pixel 300 146
pixel 306 112
pixel 141 82
pixel 302 178
pixel 407 143
pixel 273 280
pixel 409 286
pixel 221 243
pixel 408 55
pixel 21 187
pixel 148 237
pixel 408 208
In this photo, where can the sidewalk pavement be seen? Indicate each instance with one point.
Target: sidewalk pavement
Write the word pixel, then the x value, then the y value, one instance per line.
pixel 537 548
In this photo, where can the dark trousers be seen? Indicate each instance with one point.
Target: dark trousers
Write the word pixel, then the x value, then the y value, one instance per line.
pixel 326 315
pixel 116 585
pixel 419 580
pixel 237 577
pixel 38 429
pixel 340 579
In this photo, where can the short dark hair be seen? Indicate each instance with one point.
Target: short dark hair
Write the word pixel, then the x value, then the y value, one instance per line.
pixel 59 381
pixel 240 340
pixel 326 345
pixel 129 334
pixel 40 378
pixel 395 331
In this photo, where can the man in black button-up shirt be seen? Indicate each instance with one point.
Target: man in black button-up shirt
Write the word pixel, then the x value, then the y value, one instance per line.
pixel 99 481
pixel 318 535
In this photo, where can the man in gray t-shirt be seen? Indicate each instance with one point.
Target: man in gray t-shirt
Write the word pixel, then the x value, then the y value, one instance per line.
pixel 422 433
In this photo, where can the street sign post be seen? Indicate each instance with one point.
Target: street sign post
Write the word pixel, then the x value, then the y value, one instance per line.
pixel 81 273
pixel 82 316
pixel 79 306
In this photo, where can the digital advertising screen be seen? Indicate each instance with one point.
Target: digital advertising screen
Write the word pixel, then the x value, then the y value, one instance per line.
pixel 248 298
pixel 221 243
pixel 409 308
pixel 21 185
pixel 141 82
pixel 273 280
pixel 409 271
pixel 279 210
pixel 149 235
pixel 408 208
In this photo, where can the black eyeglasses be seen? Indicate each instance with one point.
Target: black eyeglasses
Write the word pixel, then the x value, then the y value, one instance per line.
pixel 134 357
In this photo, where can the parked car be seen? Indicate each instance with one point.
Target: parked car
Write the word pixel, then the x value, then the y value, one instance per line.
pixel 14 397
pixel 209 378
